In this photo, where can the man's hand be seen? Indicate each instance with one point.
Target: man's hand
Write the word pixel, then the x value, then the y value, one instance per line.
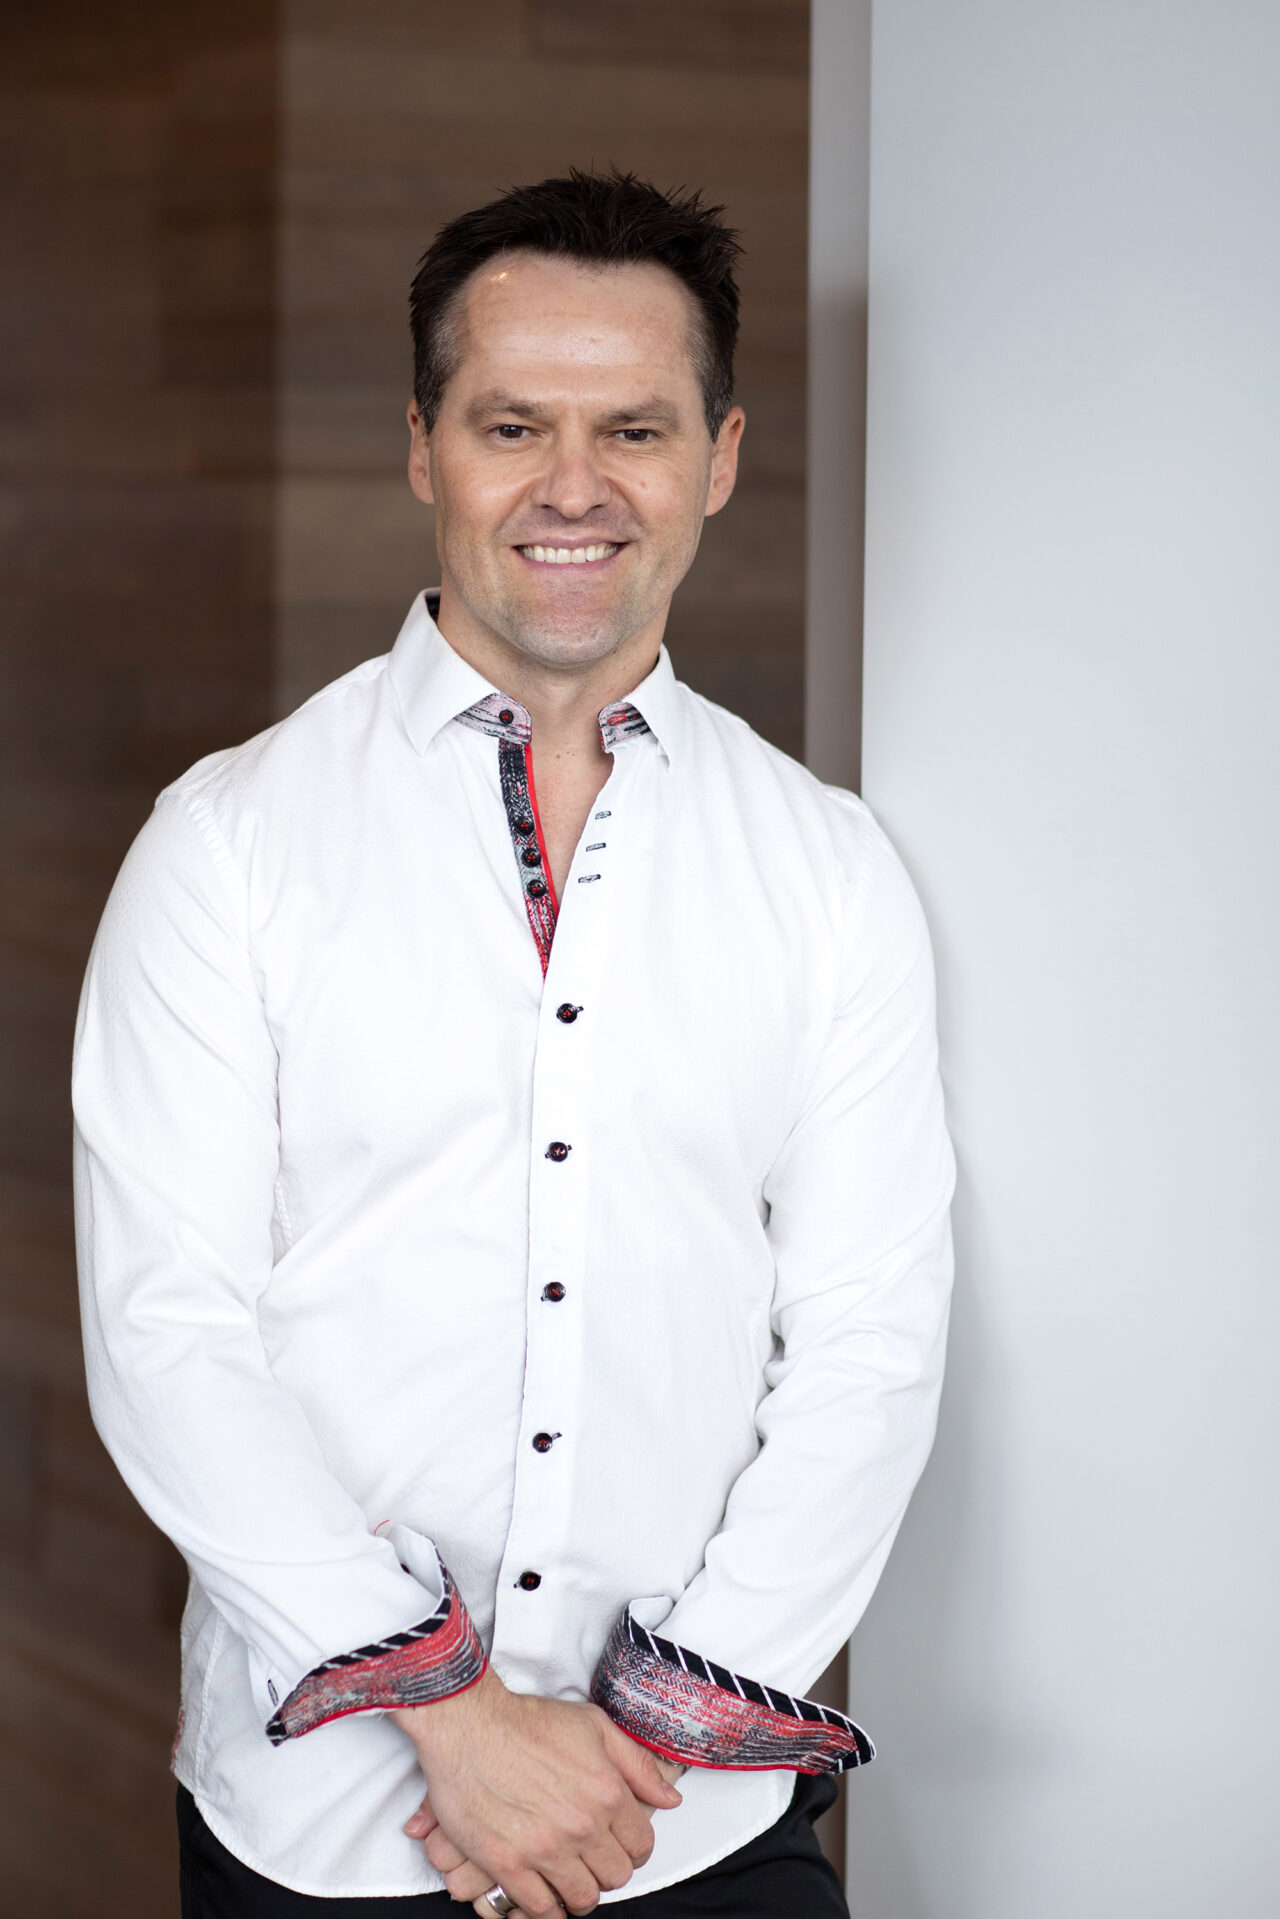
pixel 543 1797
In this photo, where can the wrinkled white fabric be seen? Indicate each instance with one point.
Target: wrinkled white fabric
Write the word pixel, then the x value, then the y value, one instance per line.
pixel 317 1071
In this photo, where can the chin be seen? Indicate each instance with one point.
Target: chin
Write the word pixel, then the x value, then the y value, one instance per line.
pixel 563 645
pixel 572 634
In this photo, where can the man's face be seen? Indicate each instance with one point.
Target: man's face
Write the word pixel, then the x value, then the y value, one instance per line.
pixel 570 465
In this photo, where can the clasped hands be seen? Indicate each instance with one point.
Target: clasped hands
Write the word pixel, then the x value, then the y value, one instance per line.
pixel 544 1797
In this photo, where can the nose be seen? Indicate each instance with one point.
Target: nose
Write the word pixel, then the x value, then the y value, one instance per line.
pixel 572 483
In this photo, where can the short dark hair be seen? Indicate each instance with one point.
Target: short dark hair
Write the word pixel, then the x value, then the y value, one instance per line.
pixel 600 219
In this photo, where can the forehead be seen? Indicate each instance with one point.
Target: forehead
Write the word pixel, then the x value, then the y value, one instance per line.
pixel 540 317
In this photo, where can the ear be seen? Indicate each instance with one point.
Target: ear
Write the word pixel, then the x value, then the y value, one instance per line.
pixel 419 457
pixel 724 459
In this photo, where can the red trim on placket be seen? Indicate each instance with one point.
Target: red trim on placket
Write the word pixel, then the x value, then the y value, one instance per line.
pixel 541 906
pixel 537 827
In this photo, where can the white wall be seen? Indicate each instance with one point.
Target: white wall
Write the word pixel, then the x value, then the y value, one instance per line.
pixel 1072 730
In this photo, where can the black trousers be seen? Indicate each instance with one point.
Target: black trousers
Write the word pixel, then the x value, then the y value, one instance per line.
pixel 782 1874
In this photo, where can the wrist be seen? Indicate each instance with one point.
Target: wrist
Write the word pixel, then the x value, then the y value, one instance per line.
pixel 428 1725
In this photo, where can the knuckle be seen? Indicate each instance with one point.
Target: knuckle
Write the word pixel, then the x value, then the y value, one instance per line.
pixel 617 1793
pixel 579 1897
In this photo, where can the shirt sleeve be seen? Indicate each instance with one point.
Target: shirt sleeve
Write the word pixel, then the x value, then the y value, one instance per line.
pixel 176 1162
pixel 858 1222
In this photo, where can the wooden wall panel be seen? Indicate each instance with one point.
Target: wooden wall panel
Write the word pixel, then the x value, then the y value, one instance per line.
pixel 210 214
pixel 137 437
pixel 398 116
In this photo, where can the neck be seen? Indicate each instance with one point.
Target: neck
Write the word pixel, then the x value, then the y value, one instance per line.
pixel 564 701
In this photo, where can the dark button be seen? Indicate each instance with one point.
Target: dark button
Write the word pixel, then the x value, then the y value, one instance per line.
pixel 568 1013
pixel 524 824
pixel 557 1150
pixel 543 1442
pixel 536 889
pixel 529 1582
pixel 531 856
pixel 506 716
pixel 554 1292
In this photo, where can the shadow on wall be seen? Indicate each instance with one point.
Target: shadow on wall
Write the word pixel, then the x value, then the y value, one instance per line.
pixel 943 1589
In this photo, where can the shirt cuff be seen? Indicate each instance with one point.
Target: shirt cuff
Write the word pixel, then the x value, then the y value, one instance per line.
pixel 686 1707
pixel 428 1662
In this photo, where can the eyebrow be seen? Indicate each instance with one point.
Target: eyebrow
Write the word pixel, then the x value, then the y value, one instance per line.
pixel 495 401
pixel 658 411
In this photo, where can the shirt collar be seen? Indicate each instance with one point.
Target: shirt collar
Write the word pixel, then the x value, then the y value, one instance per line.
pixel 435 685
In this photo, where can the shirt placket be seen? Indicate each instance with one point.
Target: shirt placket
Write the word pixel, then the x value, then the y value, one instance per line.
pixel 562 1159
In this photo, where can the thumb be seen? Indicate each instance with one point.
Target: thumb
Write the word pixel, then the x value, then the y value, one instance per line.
pixel 640 1770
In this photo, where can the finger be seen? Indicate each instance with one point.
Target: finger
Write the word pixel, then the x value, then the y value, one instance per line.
pixel 444 1855
pixel 633 1830
pixel 639 1768
pixel 608 1864
pixel 420 1823
pixel 577 1888
pixel 484 1910
pixel 535 1897
pixel 468 1882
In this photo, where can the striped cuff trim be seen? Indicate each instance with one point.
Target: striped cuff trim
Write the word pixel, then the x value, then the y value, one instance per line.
pixel 686 1707
pixel 430 1661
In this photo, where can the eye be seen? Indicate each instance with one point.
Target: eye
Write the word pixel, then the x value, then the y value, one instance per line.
pixel 636 435
pixel 510 431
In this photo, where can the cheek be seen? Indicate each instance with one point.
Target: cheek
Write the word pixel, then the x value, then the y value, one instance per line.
pixel 471 506
pixel 670 503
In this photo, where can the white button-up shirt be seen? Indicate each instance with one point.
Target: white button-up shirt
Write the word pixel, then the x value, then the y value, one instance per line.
pixel 318 1070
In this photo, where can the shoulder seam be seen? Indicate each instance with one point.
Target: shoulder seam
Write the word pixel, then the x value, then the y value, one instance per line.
pixel 215 844
pixel 229 756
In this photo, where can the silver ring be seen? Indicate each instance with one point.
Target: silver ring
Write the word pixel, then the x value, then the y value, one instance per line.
pixel 499 1902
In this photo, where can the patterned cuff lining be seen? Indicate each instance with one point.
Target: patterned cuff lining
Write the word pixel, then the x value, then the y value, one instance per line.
pixel 432 1661
pixel 684 1707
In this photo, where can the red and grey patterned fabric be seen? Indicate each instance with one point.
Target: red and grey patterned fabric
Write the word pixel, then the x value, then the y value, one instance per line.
pixel 430 1661
pixel 509 723
pixel 687 1708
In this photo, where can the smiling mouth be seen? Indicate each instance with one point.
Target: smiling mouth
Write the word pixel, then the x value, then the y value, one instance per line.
pixel 570 555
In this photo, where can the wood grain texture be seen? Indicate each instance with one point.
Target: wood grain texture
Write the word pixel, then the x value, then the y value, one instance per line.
pixel 396 118
pixel 210 213
pixel 137 452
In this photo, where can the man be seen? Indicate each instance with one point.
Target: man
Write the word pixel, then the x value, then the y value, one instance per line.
pixel 512 1185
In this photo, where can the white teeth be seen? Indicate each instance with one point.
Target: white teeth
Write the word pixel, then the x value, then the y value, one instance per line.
pixel 567 556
